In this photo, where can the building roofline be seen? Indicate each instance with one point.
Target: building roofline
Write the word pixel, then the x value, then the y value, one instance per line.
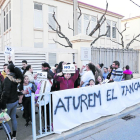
pixel 100 9
pixel 132 18
pixel 93 8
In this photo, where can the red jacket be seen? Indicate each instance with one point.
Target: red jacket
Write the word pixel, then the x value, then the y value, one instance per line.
pixel 67 84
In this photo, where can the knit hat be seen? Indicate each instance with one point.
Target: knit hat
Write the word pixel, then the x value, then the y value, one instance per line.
pixel 101 65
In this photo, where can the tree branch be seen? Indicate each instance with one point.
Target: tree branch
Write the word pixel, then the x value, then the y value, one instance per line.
pixel 80 12
pixel 99 22
pixel 135 3
pixel 87 28
pixel 134 39
pixel 70 27
pixel 100 37
pixel 60 34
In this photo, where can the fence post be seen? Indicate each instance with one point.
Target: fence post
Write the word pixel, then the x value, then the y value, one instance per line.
pixel 33 116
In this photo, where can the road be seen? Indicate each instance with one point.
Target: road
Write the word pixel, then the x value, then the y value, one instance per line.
pixel 116 130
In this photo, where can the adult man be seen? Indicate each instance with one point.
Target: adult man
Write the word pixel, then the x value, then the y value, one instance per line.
pixel 24 65
pixel 105 73
pixel 4 70
pixel 117 72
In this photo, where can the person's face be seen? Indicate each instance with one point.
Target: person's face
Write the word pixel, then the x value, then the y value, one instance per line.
pixel 67 76
pixel 56 66
pixel 26 80
pixel 7 70
pixel 31 69
pixel 24 65
pixel 99 79
pixel 87 68
pixel 91 83
pixel 105 70
pixel 109 69
pixel 4 68
pixel 98 66
pixel 44 68
pixel 113 65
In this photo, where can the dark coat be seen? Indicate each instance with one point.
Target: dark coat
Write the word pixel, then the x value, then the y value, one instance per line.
pixel 9 94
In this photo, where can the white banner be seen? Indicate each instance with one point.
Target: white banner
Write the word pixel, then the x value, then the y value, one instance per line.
pixel 8 50
pixel 76 106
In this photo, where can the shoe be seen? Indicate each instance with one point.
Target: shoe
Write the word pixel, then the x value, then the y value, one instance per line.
pixel 14 138
pixel 27 124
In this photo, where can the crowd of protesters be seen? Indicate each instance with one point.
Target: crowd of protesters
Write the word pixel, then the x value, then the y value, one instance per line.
pixel 17 84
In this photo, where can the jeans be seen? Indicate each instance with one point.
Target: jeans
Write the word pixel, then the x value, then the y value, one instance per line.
pixel 12 107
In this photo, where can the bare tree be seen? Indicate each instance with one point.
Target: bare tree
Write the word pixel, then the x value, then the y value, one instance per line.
pixel 60 34
pixel 121 34
pixel 100 21
pixel 122 38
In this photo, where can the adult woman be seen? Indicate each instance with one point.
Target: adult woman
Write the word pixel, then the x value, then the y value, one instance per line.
pixel 127 74
pixel 9 98
pixel 110 71
pixel 98 72
pixel 29 72
pixel 89 74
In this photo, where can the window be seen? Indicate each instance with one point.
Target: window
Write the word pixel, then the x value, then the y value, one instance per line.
pixel 108 25
pixel 38 44
pixel 86 23
pixel 52 59
pixel 52 46
pixel 102 29
pixel 51 20
pixel 7 17
pixel 93 24
pixel 38 16
pixel 114 29
pixel 0 24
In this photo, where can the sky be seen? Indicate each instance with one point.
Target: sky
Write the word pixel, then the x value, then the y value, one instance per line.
pixel 122 7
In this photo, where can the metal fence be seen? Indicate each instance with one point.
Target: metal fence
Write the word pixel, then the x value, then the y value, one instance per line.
pixel 125 57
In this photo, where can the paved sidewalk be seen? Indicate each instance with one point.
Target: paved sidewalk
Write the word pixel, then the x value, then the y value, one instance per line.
pixel 90 128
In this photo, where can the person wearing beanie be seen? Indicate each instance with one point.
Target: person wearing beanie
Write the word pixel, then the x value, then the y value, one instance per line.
pixel 127 74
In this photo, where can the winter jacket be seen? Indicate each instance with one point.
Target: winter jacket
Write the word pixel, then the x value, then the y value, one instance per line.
pixel 9 94
pixel 127 75
pixel 66 84
pixel 30 75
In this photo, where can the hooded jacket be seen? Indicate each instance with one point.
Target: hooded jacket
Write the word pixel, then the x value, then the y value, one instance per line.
pixel 9 94
pixel 127 75
pixel 67 84
pixel 30 75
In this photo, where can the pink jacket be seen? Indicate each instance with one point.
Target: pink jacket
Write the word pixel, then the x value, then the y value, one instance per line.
pixel 67 84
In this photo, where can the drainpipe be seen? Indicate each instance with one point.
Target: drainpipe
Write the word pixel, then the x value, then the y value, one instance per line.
pixel 21 16
pixel 2 28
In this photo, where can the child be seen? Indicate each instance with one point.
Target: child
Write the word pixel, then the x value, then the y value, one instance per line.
pixel 28 88
pixel 99 80
pixel 91 82
pixel 66 82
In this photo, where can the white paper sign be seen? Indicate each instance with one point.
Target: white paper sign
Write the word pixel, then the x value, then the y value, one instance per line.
pixel 85 54
pixel 69 68
pixel 8 50
pixel 73 107
pixel 42 76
